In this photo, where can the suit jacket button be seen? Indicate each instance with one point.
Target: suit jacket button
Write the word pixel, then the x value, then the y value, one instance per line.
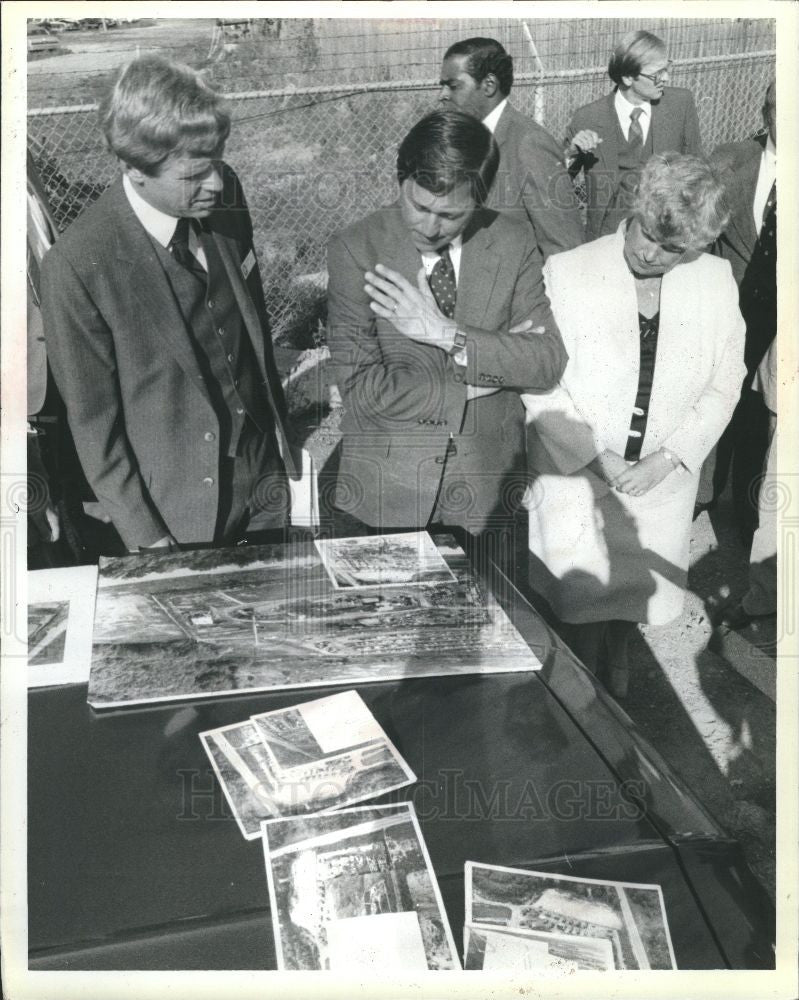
pixel 211 306
pixel 209 436
pixel 208 481
pixel 458 378
pixel 439 459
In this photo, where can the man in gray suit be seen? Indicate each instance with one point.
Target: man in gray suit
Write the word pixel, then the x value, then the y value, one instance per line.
pixel 611 138
pixel 532 182
pixel 437 316
pixel 157 331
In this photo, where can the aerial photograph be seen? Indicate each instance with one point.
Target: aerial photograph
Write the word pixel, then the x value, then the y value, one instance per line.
pixel 631 917
pixel 352 863
pixel 211 623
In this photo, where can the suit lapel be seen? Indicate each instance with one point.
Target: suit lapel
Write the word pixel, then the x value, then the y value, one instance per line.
pixel 480 263
pixel 228 251
pixel 608 150
pixel 504 125
pixel 399 252
pixel 741 186
pixel 160 309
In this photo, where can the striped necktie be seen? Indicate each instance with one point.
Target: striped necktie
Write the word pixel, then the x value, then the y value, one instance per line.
pixel 636 134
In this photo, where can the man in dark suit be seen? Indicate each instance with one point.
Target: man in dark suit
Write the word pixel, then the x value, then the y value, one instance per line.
pixel 437 317
pixel 749 172
pixel 612 138
pixel 532 182
pixel 157 332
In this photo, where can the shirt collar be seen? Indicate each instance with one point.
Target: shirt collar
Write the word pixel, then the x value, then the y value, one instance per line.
pixel 770 149
pixel 157 223
pixel 490 121
pixel 454 247
pixel 624 107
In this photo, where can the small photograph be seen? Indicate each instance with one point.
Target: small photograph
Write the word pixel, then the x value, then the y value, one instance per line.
pixel 355 890
pixel 47 632
pixel 241 765
pixel 496 951
pixel 383 561
pixel 630 916
pixel 309 733
pixel 257 787
pixel 60 614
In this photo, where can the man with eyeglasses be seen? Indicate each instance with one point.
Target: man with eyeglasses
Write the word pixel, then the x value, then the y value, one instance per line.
pixel 612 138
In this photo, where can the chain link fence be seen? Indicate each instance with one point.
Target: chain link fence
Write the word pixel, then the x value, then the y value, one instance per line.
pixel 312 161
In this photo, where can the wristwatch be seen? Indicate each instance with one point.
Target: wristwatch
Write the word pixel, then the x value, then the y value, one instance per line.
pixel 459 344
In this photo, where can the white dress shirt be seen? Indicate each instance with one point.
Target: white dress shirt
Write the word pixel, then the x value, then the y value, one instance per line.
pixel 490 120
pixel 160 225
pixel 429 260
pixel 766 175
pixel 623 109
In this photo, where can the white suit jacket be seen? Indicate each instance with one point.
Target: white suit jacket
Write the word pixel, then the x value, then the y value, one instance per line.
pixel 699 368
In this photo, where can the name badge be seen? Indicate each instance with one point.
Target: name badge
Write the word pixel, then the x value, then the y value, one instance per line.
pixel 248 264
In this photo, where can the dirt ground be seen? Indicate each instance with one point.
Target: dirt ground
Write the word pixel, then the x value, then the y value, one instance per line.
pixel 715 728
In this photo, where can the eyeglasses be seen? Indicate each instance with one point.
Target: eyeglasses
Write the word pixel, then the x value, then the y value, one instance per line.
pixel 661 74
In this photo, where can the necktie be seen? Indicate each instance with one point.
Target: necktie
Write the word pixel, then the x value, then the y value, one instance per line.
pixel 770 213
pixel 442 283
pixel 179 246
pixel 636 134
pixel 768 239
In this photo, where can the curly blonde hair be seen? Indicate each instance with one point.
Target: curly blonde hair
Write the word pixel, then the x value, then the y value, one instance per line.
pixel 681 201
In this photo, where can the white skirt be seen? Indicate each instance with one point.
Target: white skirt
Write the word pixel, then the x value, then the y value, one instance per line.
pixel 597 554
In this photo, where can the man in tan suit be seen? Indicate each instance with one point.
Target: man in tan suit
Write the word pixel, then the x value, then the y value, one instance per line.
pixel 437 317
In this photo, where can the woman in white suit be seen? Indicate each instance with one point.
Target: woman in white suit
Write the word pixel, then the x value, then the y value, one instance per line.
pixel 655 341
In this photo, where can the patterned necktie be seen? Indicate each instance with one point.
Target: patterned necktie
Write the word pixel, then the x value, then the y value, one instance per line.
pixel 442 283
pixel 179 247
pixel 636 135
pixel 768 230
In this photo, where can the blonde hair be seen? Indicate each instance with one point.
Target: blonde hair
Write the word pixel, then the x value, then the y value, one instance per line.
pixel 632 52
pixel 680 200
pixel 156 109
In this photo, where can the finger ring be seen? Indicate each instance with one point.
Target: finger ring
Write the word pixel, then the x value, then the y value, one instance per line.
pixel 394 307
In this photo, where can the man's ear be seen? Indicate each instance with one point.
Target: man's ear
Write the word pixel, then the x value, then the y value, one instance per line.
pixel 627 82
pixel 489 84
pixel 135 175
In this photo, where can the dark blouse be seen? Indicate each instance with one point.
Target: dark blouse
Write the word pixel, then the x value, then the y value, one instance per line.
pixel 648 341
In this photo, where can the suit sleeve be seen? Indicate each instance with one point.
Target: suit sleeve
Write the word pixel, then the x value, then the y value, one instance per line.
pixel 532 361
pixel 380 391
pixel 81 354
pixel 692 138
pixel 548 195
pixel 705 421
